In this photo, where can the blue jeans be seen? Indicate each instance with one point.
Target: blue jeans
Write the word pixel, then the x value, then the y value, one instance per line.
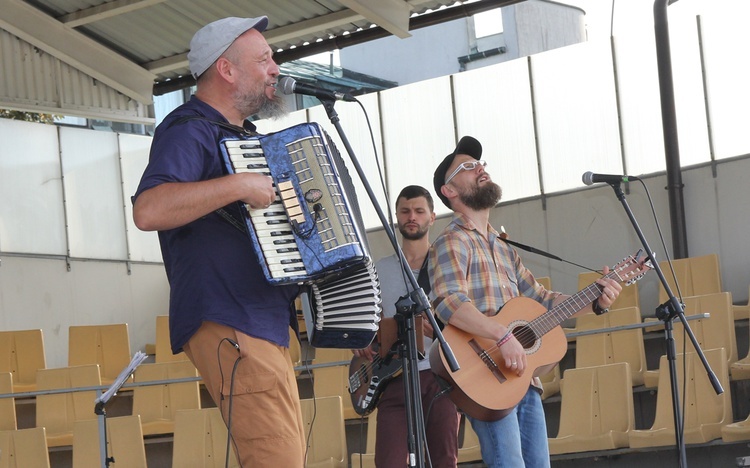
pixel 519 439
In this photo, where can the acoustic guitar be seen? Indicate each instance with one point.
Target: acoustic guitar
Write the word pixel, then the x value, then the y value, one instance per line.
pixel 484 388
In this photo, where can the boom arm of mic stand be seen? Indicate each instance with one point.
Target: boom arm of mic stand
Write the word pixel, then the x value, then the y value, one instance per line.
pixel 420 299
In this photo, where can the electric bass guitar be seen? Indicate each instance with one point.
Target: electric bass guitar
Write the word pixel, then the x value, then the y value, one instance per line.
pixel 484 387
pixel 368 379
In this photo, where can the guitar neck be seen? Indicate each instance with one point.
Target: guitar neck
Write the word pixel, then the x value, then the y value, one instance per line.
pixel 570 306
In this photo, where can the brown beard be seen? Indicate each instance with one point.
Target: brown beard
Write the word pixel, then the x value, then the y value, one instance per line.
pixel 421 232
pixel 482 197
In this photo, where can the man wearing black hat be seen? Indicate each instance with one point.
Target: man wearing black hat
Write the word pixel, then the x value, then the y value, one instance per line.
pixel 231 324
pixel 472 274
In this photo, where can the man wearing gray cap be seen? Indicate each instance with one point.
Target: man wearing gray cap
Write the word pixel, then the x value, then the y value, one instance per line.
pixel 473 274
pixel 230 323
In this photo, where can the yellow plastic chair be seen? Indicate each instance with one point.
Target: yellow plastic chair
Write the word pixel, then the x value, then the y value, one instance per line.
pixel 8 421
pixel 717 331
pixel 22 354
pixel 469 450
pixel 200 440
pixel 57 412
pixel 334 381
pixel 367 458
pixel 551 382
pixel 106 345
pixel 596 411
pixel 612 347
pixel 124 443
pixel 545 281
pixel 324 423
pixel 695 275
pixel 163 345
pixel 24 448
pixel 705 411
pixel 157 405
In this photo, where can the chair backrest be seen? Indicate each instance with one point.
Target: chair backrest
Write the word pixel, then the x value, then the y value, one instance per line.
pixel 334 381
pixel 717 331
pixel 695 275
pixel 469 450
pixel 24 448
pixel 551 382
pixel 106 345
pixel 612 347
pixel 629 296
pixel 705 411
pixel 324 423
pixel 157 405
pixel 124 443
pixel 163 344
pixel 8 420
pixel 57 412
pixel 596 411
pixel 545 281
pixel 200 439
pixel 22 353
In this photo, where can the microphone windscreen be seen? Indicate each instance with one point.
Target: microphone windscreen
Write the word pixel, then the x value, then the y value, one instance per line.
pixel 286 84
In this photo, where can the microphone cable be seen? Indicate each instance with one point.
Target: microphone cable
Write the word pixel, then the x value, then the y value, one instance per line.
pixel 231 394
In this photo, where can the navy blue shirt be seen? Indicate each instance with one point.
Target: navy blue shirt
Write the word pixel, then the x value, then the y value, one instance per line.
pixel 211 265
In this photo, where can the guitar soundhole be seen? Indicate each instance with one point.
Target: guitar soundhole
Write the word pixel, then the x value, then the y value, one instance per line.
pixel 525 335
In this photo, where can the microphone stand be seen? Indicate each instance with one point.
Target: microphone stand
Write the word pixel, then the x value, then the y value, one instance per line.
pixel 667 313
pixel 407 308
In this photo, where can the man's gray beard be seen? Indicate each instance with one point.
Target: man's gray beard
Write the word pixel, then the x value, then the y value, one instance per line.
pixel 481 198
pixel 264 108
pixel 273 108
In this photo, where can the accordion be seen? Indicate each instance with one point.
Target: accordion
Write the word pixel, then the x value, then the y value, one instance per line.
pixel 312 234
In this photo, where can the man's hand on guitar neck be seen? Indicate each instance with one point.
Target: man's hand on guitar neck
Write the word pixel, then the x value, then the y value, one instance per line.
pixel 365 353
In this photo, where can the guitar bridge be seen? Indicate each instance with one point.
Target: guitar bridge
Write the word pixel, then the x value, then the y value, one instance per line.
pixel 488 361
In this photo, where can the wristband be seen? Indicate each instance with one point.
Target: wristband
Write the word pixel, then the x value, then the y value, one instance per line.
pixel 508 335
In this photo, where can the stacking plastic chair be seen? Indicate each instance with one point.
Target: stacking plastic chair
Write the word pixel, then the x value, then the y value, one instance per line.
pixel 57 412
pixel 612 347
pixel 200 440
pixel 157 405
pixel 8 420
pixel 334 381
pixel 163 345
pixel 545 281
pixel 695 275
pixel 716 331
pixel 22 354
pixel 24 448
pixel 742 311
pixel 596 411
pixel 469 451
pixel 551 382
pixel 324 422
pixel 124 443
pixel 705 411
pixel 367 458
pixel 106 345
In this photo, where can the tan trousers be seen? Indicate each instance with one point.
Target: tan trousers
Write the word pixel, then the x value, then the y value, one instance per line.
pixel 266 423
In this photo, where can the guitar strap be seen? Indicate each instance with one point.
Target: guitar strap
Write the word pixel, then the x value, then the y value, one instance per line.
pixel 423 279
pixel 543 253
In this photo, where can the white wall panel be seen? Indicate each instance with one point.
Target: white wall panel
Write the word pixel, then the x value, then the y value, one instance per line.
pixel 418 131
pixel 483 100
pixel 31 209
pixel 93 194
pixel 727 69
pixel 576 111
pixel 134 150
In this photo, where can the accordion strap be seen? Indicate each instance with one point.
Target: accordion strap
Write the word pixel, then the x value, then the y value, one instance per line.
pixel 234 128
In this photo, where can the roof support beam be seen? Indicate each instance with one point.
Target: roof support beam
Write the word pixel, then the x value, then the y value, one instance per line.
pixel 77 50
pixel 104 11
pixel 391 15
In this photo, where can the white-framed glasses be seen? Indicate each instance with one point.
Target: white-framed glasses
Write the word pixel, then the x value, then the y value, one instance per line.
pixel 465 166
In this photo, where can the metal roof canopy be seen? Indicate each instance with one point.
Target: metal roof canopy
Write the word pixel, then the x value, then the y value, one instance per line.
pixel 139 47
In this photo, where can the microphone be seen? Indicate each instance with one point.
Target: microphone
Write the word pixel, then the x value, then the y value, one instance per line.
pixel 591 178
pixel 289 85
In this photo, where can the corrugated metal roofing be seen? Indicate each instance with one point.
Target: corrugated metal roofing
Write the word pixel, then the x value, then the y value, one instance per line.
pixel 134 46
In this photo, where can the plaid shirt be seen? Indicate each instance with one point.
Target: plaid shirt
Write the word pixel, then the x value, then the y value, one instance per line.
pixel 466 267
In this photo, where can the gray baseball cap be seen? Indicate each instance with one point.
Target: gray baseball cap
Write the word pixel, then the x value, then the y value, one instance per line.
pixel 214 38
